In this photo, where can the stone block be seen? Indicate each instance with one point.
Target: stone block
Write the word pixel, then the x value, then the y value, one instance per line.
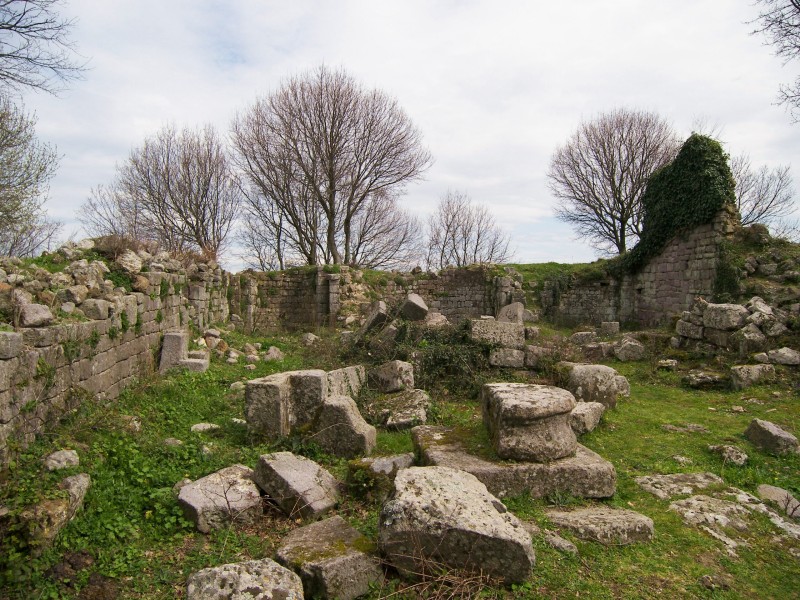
pixel 330 559
pixel 340 430
pixel 784 356
pixel 414 308
pixel 744 376
pixel 506 335
pixel 586 416
pixel 35 315
pixel 196 365
pixel 393 376
pixel 771 438
pixel 174 348
pixel 604 524
pixel 221 498
pixel 512 313
pixel 507 357
pixel 10 345
pixel 96 309
pixel 677 484
pixel 727 317
pixel 298 485
pixel 609 328
pixel 402 410
pixel 378 316
pixel 689 330
pixel 447 516
pixel 585 474
pixel 629 349
pixel 579 338
pixel 718 337
pixel 529 422
pixel 264 579
pixel 61 459
pixel 593 383
pixel 347 381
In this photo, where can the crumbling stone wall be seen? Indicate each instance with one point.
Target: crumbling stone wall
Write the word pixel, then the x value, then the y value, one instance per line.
pixel 49 370
pixel 666 286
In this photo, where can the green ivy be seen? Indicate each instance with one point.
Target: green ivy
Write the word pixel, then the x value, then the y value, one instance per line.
pixel 684 194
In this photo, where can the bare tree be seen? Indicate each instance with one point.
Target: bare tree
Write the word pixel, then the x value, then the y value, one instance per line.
pixel 779 20
pixel 178 189
pixel 600 174
pixel 35 49
pixel 26 167
pixel 317 152
pixel 762 195
pixel 462 233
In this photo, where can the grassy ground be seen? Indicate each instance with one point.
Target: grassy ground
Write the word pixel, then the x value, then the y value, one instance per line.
pixel 132 532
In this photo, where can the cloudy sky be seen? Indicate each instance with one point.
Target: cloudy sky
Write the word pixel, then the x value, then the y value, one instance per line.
pixel 494 86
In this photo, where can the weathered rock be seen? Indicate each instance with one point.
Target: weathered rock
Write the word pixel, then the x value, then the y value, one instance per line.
pixel 76 294
pixel 774 329
pixel 43 521
pixel 377 317
pixel 339 429
pixel 512 313
pixel 194 364
pixel 448 516
pixel 585 475
pixel 299 486
pixel 347 381
pixel 373 477
pixel 677 484
pixel 255 579
pixel 62 459
pixel 748 339
pixel 785 502
pixel 689 330
pixel 594 383
pixel 580 338
pixel 701 380
pixel 613 526
pixel 507 357
pixel 35 315
pixel 629 349
pixel 784 356
pixel 712 514
pixel 204 427
pixel 506 335
pixel 130 261
pixel 273 354
pixel 414 308
pixel 537 356
pixel 329 557
pixel 309 339
pixel 221 498
pixel 609 328
pixel 687 428
pixel 10 344
pixel 174 349
pixel 771 438
pixel 529 422
pixel 727 317
pixel 586 416
pixel 434 320
pixel 277 404
pixel 393 376
pixel 402 410
pixel 744 376
pixel 729 454
pixel 667 364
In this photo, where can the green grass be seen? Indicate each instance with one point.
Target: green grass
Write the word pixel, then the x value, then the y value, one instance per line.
pixel 133 528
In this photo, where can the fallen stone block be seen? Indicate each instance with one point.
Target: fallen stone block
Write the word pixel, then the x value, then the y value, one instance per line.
pixel 728 317
pixel 35 315
pixel 579 338
pixel 528 422
pixel 585 475
pixel 677 484
pixel 373 477
pixel 435 320
pixel 330 559
pixel 593 383
pixel 729 454
pixel 629 349
pixel 689 330
pixel 62 459
pixel 393 376
pixel 263 579
pixel 414 308
pixel 44 521
pixel 506 335
pixel 96 309
pixel 221 498
pixel 447 517
pixel 195 365
pixel 609 328
pixel 507 357
pixel 784 356
pixel 744 376
pixel 586 416
pixel 174 349
pixel 276 404
pixel 610 526
pixel 299 486
pixel 769 437
pixel 378 317
pixel 339 429
pixel 347 381
pixel 512 313
pixel 785 502
pixel 402 410
pixel 273 353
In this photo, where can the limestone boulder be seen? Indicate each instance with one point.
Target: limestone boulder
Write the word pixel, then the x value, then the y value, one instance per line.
pixel 506 335
pixel 35 315
pixel 629 349
pixel 402 410
pixel 667 486
pixel 507 357
pixel 226 496
pixel 744 376
pixel 609 328
pixel 279 403
pixel 449 517
pixel 610 526
pixel 299 486
pixel 309 339
pixel 340 430
pixel 263 579
pixel 784 356
pixel 378 316
pixel 594 383
pixel 729 454
pixel 273 353
pixel 529 422
pixel 62 459
pixel 727 317
pixel 771 438
pixel 580 338
pixel 586 416
pixel 130 261
pixel 689 330
pixel 512 313
pixel 393 376
pixel 330 559
pixel 347 381
pixel 435 320
pixel 781 498
pixel 748 339
pixel 414 308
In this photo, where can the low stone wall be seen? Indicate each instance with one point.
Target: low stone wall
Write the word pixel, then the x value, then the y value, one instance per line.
pixel 666 286
pixel 47 371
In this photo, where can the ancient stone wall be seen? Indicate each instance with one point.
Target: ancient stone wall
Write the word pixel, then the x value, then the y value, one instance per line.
pixel 47 371
pixel 666 286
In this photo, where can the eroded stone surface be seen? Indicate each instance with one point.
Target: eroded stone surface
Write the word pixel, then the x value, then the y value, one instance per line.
pixel 62 459
pixel 605 524
pixel 506 335
pixel 586 416
pixel 414 308
pixel 402 410
pixel 729 454
pixel 594 383
pixel 347 381
pixel 227 496
pixel 667 486
pixel 448 516
pixel 329 557
pixel 298 485
pixel 770 437
pixel 255 579
pixel 586 474
pixel 744 376
pixel 340 429
pixel 393 376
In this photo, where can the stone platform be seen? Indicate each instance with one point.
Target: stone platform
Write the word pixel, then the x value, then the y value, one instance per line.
pixel 585 475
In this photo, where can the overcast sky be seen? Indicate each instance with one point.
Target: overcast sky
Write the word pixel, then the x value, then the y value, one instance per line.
pixel 494 86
